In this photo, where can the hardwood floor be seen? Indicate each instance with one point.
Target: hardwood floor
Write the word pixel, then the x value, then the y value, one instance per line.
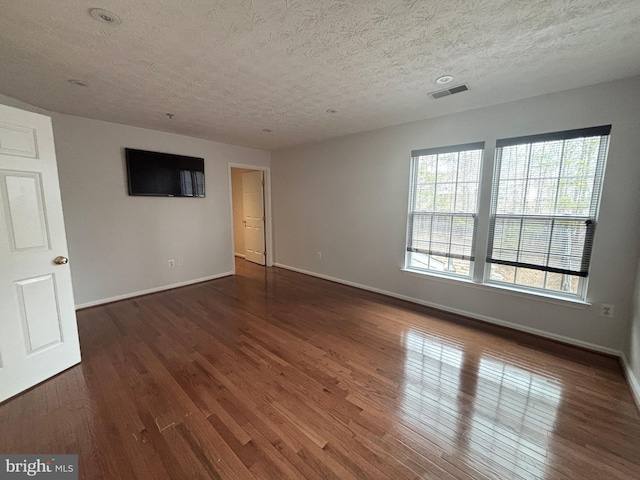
pixel 272 374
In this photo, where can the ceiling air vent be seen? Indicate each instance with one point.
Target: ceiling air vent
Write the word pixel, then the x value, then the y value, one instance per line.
pixel 449 91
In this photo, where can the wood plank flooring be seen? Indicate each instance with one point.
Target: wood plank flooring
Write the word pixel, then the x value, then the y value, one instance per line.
pixel 276 375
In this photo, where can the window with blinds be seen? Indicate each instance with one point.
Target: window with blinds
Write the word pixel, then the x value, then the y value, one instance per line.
pixel 443 208
pixel 544 206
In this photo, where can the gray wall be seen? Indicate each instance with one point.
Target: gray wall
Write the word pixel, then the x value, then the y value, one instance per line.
pixel 120 245
pixel 12 102
pixel 347 198
pixel 632 353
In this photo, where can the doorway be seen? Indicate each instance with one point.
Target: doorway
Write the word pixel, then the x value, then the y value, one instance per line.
pixel 250 211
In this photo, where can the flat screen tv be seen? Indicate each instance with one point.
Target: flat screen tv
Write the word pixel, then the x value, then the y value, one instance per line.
pixel 164 174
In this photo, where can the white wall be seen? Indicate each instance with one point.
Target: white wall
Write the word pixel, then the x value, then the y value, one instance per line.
pixel 120 245
pixel 347 198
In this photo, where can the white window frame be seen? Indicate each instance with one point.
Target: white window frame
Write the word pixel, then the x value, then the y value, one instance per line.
pixel 481 265
pixel 415 156
pixel 591 218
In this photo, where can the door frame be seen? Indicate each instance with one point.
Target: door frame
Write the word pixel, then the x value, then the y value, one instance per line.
pixel 268 227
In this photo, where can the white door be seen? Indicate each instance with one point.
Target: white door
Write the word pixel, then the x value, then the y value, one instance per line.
pixel 38 331
pixel 253 216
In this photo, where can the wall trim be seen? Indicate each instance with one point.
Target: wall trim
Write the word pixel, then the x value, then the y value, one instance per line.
pixel 484 318
pixel 634 385
pixel 151 290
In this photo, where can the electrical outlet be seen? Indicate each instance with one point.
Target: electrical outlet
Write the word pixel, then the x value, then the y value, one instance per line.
pixel 172 263
pixel 607 310
pixel 319 255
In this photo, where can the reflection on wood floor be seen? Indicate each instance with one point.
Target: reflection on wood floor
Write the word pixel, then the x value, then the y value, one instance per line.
pixel 273 374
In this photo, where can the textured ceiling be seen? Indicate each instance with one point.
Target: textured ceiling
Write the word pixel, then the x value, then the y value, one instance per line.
pixel 227 69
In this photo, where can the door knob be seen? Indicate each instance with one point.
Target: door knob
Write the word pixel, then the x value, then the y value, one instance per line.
pixel 61 260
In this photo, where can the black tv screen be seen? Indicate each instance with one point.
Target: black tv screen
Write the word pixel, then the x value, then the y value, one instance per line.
pixel 164 174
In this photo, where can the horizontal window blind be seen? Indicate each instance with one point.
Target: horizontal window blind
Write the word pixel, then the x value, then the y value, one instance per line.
pixel 446 235
pixel 545 200
pixel 443 201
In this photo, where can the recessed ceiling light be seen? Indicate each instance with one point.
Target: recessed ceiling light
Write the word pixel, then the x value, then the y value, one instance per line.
pixel 444 79
pixel 104 16
pixel 331 110
pixel 77 83
pixel 267 130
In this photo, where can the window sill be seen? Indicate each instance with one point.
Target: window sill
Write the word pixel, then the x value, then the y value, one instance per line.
pixel 492 287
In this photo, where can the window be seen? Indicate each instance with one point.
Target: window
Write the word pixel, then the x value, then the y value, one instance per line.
pixel 544 206
pixel 443 208
pixel 542 211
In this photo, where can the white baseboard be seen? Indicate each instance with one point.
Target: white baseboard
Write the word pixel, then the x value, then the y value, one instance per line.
pixel 465 313
pixel 241 255
pixel 631 379
pixel 151 290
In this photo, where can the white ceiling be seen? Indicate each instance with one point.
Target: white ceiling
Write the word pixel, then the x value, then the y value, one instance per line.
pixel 228 69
